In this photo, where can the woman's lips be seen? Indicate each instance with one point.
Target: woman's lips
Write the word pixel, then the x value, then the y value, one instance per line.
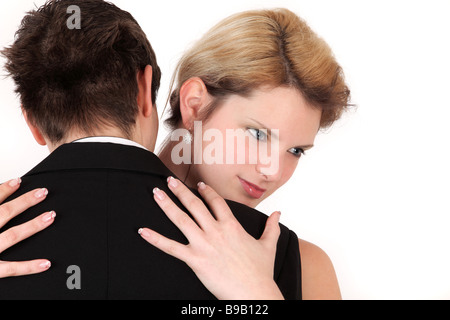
pixel 252 190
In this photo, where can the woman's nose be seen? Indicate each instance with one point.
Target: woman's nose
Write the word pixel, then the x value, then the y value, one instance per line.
pixel 271 171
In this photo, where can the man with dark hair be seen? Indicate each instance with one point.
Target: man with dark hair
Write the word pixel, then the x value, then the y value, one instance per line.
pixel 89 94
pixel 76 81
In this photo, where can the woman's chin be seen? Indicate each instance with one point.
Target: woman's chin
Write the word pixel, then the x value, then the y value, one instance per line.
pixel 248 201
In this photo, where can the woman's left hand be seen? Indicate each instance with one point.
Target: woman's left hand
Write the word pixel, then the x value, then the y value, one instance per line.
pixel 227 260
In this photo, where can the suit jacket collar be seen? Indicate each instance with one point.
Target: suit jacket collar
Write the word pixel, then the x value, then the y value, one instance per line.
pixel 95 155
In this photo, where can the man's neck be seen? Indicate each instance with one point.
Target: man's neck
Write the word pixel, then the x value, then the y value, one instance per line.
pixel 110 132
pixel 114 140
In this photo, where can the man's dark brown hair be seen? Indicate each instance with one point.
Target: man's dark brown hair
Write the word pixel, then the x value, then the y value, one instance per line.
pixel 81 79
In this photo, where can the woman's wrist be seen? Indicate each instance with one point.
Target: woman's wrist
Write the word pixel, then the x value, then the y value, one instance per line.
pixel 261 291
pixel 270 292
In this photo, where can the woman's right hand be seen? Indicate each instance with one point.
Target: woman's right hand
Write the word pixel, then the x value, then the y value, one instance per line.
pixel 230 263
pixel 16 234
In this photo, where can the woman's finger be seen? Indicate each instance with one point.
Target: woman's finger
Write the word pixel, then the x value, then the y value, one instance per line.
pixel 16 234
pixel 14 207
pixel 217 204
pixel 192 203
pixel 164 244
pixel 272 230
pixel 8 188
pixel 183 222
pixel 14 269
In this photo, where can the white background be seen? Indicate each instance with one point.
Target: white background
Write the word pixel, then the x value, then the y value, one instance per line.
pixel 373 193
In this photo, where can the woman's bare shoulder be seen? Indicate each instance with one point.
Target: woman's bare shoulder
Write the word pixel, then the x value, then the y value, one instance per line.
pixel 319 281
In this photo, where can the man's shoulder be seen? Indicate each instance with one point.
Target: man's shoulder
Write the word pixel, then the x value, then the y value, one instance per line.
pixel 254 221
pixel 101 156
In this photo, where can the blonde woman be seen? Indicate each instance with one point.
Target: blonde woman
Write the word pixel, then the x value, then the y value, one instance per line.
pixel 268 78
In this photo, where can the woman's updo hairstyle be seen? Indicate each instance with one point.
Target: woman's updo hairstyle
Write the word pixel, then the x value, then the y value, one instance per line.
pixel 262 48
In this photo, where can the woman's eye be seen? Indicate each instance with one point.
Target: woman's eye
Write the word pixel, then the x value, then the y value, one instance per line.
pixel 258 134
pixel 298 152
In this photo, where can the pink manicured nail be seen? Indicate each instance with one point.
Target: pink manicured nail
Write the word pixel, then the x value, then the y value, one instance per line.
pixel 158 193
pixel 41 193
pixel 49 216
pixel 201 185
pixel 172 182
pixel 144 233
pixel 45 265
pixel 15 182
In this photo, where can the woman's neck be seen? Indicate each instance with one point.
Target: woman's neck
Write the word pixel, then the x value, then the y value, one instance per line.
pixel 180 170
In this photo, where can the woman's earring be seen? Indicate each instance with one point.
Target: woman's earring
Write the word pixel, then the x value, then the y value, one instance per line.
pixel 187 138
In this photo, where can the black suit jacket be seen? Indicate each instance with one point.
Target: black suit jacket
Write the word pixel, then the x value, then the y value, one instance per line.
pixel 102 194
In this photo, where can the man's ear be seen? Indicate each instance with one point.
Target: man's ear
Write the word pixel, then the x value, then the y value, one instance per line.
pixel 144 98
pixel 38 136
pixel 193 97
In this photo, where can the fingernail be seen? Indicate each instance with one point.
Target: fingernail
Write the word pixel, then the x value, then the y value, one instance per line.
pixel 143 232
pixel 201 185
pixel 49 216
pixel 172 182
pixel 41 193
pixel 158 193
pixel 45 265
pixel 15 182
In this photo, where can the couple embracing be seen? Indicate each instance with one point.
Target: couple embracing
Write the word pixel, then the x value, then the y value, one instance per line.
pixel 141 226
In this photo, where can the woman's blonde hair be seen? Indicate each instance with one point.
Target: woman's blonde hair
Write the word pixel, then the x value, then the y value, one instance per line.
pixel 257 48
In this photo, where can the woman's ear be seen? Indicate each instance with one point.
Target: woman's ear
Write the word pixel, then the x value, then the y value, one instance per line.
pixel 193 97
pixel 38 136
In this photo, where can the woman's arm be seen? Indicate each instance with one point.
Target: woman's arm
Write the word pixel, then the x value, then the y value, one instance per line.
pixel 227 260
pixel 319 281
pixel 16 234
